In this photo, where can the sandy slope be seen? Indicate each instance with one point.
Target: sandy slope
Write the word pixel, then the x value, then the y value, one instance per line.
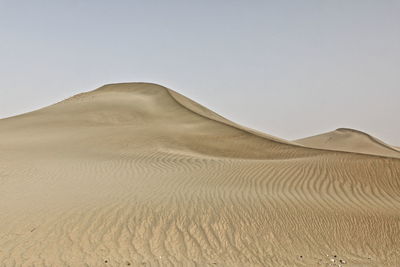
pixel 133 174
pixel 351 140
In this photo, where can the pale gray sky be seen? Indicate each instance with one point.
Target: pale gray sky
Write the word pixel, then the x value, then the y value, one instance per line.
pixel 289 68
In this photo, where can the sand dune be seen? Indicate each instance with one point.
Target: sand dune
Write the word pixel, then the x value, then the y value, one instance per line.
pixel 136 174
pixel 344 139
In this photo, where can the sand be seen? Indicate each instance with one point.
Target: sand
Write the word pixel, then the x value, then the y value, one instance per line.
pixel 136 174
pixel 345 139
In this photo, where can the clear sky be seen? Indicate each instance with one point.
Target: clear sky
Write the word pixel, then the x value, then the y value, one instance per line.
pixel 289 68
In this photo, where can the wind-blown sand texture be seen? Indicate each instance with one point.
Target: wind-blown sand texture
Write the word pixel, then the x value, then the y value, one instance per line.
pixel 136 174
pixel 350 140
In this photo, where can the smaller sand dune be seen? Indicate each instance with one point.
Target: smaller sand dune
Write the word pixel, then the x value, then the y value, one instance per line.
pixel 350 140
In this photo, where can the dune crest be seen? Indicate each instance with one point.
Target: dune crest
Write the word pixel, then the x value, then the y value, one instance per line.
pixel 350 140
pixel 136 174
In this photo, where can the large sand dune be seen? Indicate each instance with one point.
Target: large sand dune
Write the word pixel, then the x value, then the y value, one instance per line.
pixel 136 174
